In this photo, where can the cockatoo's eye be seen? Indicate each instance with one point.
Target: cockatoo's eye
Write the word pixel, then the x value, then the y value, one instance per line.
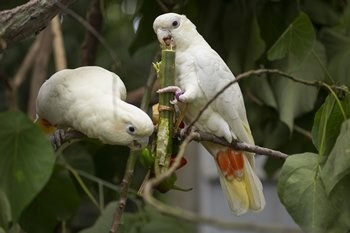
pixel 131 129
pixel 175 23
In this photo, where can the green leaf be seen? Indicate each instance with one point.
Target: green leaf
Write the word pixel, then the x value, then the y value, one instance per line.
pixel 295 99
pixel 327 123
pixel 56 202
pixel 322 12
pixel 104 222
pixel 301 191
pixel 338 51
pixel 242 58
pixel 5 211
pixel 26 160
pixel 338 162
pixel 2 230
pixel 297 39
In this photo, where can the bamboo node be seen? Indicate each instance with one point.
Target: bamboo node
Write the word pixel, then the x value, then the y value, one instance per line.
pixel 165 108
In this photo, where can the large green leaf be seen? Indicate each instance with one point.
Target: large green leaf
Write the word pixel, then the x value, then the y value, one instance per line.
pixel 56 202
pixel 295 99
pixel 338 163
pixel 26 160
pixel 301 191
pixel 297 39
pixel 327 123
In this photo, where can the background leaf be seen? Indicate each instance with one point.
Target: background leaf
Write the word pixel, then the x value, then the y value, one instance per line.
pixel 5 211
pixel 302 193
pixel 298 40
pixel 294 99
pixel 327 123
pixel 56 202
pixel 26 160
pixel 338 163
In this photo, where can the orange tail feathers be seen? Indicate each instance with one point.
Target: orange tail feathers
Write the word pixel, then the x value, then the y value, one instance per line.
pixel 241 186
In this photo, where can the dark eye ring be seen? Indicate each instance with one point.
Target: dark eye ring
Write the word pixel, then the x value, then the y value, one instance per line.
pixel 175 23
pixel 131 129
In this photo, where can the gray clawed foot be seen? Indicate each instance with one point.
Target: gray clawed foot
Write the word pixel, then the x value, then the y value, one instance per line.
pixel 57 138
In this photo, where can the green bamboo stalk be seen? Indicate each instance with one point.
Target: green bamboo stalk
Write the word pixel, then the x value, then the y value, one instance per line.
pixel 166 113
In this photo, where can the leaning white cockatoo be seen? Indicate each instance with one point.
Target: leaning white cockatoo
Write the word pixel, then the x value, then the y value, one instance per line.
pixel 200 74
pixel 92 100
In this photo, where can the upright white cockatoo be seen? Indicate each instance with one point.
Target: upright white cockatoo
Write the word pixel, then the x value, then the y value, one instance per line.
pixel 200 74
pixel 92 100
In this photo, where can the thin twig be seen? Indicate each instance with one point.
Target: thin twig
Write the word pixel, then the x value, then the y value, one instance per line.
pixel 124 187
pixel 91 29
pixel 21 74
pixel 129 170
pixel 90 44
pixel 315 83
pixel 41 62
pixel 58 44
pixel 195 218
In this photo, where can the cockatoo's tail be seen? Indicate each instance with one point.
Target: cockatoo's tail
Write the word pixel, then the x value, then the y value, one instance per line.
pixel 200 75
pixel 92 100
pixel 231 163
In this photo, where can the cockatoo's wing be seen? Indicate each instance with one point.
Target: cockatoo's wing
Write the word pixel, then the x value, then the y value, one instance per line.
pixel 213 74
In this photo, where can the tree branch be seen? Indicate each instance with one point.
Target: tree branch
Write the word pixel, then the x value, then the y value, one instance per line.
pixel 27 19
pixel 93 31
pixel 238 145
pixel 190 216
pixel 315 83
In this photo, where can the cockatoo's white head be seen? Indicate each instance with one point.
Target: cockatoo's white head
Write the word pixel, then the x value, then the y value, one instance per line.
pixel 174 30
pixel 132 127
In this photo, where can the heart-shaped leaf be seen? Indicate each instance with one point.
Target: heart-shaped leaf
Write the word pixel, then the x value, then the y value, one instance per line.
pixel 302 192
pixel 297 39
pixel 26 160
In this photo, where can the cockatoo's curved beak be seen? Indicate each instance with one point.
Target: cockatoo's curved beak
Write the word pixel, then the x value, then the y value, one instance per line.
pixel 139 143
pixel 164 36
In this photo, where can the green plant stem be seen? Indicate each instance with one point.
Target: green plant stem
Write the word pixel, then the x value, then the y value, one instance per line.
pixel 166 113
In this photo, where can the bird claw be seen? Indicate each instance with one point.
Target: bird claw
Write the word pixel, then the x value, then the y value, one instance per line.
pixel 57 139
pixel 173 89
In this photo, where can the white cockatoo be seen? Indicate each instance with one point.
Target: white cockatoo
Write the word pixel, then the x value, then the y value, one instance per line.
pixel 200 74
pixel 92 100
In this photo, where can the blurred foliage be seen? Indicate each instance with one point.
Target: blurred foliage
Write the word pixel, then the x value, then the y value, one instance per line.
pixel 309 39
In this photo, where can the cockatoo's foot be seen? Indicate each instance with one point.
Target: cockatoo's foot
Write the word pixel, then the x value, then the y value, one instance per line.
pixel 57 139
pixel 231 163
pixel 176 90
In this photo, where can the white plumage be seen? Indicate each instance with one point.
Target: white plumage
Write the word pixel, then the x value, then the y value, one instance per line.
pixel 92 100
pixel 200 74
